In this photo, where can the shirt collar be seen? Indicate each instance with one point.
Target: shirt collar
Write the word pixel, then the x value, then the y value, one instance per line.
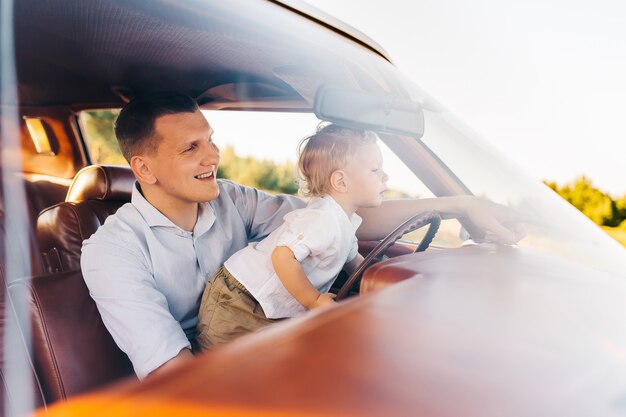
pixel 206 218
pixel 154 218
pixel 328 201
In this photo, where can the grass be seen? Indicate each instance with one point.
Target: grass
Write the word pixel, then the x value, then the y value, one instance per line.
pixel 617 233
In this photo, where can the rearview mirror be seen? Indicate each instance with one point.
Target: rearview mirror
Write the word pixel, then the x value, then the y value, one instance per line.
pixel 363 110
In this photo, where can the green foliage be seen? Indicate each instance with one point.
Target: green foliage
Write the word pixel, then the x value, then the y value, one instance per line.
pixel 268 175
pixel 263 174
pixel 592 202
pixel 98 127
pixel 595 204
pixel 553 185
pixel 620 209
pixel 598 206
pixel 394 194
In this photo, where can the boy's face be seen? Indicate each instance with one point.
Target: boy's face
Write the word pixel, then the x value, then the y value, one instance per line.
pixel 186 160
pixel 366 179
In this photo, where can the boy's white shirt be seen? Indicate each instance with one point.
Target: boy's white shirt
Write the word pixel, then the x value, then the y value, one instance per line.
pixel 322 238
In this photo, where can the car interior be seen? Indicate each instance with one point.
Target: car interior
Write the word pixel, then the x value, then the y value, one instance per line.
pixel 72 56
pixel 482 323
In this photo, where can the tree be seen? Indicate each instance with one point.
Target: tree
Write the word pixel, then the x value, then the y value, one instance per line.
pixel 264 174
pixel 620 208
pixel 593 203
pixel 103 146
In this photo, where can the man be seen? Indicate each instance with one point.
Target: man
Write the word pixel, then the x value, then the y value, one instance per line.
pixel 147 266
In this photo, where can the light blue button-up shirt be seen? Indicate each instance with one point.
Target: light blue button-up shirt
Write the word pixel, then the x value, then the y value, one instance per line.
pixel 147 275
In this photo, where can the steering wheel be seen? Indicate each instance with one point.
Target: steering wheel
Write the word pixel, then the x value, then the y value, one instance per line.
pixel 415 222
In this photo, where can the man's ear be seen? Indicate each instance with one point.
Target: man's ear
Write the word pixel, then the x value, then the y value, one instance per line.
pixel 141 168
pixel 339 181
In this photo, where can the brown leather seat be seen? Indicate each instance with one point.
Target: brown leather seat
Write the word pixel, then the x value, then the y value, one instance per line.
pixel 20 391
pixel 96 192
pixel 43 191
pixel 72 351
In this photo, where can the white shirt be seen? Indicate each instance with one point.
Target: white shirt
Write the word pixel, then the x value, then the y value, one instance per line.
pixel 322 238
pixel 147 275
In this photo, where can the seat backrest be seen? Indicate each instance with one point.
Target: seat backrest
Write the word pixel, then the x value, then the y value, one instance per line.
pixel 72 350
pixel 20 391
pixel 96 192
pixel 43 191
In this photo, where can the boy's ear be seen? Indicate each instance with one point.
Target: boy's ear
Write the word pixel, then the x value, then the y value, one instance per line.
pixel 141 168
pixel 339 181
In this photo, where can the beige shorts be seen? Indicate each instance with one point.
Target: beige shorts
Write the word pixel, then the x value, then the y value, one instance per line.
pixel 227 310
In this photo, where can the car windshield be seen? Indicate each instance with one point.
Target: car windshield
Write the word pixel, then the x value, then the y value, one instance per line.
pixel 471 166
pixel 448 159
pixel 554 226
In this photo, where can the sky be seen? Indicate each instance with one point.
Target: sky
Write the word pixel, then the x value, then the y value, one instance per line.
pixel 542 81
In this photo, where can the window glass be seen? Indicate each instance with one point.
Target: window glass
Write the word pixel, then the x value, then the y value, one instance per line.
pixel 259 149
pixel 97 127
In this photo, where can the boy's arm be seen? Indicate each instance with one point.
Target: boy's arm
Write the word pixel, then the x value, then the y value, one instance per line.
pixel 294 279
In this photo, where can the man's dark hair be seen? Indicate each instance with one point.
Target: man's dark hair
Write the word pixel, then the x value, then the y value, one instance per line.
pixel 134 127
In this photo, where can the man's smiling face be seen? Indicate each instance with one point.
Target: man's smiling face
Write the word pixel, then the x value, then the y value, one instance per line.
pixel 186 159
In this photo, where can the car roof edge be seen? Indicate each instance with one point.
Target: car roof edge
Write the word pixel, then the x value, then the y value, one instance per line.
pixel 319 16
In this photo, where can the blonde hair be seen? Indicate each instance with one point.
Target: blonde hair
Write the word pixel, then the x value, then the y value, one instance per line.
pixel 326 151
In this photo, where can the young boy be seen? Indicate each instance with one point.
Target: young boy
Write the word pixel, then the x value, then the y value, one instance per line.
pixel 292 269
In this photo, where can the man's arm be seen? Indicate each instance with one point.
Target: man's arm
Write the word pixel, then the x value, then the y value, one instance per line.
pixel 500 223
pixel 184 355
pixel 133 309
pixel 262 212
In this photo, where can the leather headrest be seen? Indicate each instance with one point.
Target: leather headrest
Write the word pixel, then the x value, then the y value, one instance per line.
pixel 101 182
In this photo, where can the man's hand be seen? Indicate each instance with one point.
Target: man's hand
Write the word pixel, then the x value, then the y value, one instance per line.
pixel 501 224
pixel 324 299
